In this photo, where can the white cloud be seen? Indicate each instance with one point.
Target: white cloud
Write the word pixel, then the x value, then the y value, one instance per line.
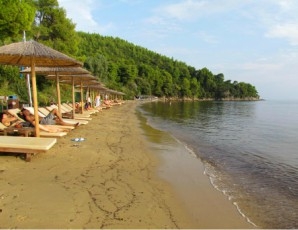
pixel 194 9
pixel 183 10
pixel 288 31
pixel 280 20
pixel 80 12
pixel 286 5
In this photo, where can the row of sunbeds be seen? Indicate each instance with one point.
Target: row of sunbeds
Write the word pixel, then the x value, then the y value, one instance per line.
pixel 32 145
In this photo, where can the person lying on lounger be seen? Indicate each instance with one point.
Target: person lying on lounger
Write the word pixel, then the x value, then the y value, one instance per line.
pixel 8 120
pixel 53 118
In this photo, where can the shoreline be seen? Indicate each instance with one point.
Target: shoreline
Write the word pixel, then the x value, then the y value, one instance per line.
pixel 185 172
pixel 112 179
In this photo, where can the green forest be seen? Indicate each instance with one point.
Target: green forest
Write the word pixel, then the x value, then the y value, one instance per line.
pixel 118 64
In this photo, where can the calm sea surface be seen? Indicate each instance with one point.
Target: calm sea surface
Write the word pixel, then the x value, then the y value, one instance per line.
pixel 249 150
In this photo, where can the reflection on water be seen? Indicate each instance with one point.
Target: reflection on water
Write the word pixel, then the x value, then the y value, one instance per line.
pixel 249 150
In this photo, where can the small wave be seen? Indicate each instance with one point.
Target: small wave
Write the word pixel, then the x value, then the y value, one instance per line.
pixel 191 151
pixel 243 215
pixel 214 180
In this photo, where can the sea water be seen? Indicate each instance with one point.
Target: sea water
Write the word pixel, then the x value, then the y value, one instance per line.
pixel 249 150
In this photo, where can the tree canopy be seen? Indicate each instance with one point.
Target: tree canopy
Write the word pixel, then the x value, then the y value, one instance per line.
pixel 137 70
pixel 15 17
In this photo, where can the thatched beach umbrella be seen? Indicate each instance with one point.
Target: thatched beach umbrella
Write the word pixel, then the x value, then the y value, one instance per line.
pixel 115 93
pixel 56 72
pixel 32 53
pixel 95 86
pixel 73 80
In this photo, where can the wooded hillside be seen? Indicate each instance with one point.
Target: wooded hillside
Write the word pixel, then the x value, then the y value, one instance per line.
pixel 139 71
pixel 117 63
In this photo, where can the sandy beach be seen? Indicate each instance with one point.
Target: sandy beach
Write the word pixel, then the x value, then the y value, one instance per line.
pixel 112 179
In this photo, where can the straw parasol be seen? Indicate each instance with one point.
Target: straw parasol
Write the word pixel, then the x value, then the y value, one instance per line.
pixel 24 53
pixel 74 79
pixel 88 85
pixel 32 53
pixel 56 72
pixel 96 86
pixel 115 93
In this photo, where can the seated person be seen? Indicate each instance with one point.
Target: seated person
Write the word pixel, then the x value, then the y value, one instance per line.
pixel 117 102
pixel 9 120
pixel 88 106
pixel 107 104
pixel 53 118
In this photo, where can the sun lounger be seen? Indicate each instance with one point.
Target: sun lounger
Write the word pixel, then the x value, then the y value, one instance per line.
pixel 31 110
pixel 26 145
pixel 77 115
pixel 49 134
pixel 63 111
pixel 42 133
pixel 4 130
pixel 2 127
pixel 14 112
pixel 88 112
pixel 67 106
pixel 45 112
pixel 81 120
pixel 69 109
pixel 71 121
pixel 13 131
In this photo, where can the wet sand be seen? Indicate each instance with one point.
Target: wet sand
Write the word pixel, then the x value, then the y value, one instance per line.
pixel 113 179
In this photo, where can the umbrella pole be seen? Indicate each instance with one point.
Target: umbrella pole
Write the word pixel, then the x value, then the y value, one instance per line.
pixel 58 93
pixel 35 103
pixel 29 89
pixel 82 98
pixel 73 99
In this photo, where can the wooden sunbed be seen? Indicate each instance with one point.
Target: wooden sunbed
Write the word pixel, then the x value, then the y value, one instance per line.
pixel 46 112
pixel 26 145
pixel 68 109
pixel 49 134
pixel 67 106
pixel 77 115
pixel 31 110
pixel 14 112
pixel 26 131
pixel 81 120
pixel 86 112
pixel 2 127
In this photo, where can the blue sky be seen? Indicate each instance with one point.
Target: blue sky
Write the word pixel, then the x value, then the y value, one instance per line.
pixel 254 41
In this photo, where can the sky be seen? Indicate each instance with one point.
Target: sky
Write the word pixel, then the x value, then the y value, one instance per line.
pixel 252 41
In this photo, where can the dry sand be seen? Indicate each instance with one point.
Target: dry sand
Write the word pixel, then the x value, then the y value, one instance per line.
pixel 113 179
